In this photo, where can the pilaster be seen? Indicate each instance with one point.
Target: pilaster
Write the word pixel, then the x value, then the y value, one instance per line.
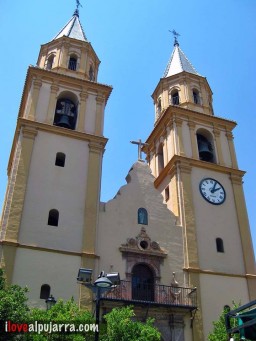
pixel 188 221
pixel 232 149
pixel 52 103
pixel 64 54
pixel 92 197
pixel 216 133
pixel 243 224
pixel 15 213
pixel 192 126
pixel 37 83
pixel 99 115
pixel 178 123
pixel 82 111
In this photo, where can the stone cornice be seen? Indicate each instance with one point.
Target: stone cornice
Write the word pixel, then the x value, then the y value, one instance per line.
pixel 176 112
pixel 62 80
pixel 34 127
pixel 219 273
pixel 186 164
pixel 46 249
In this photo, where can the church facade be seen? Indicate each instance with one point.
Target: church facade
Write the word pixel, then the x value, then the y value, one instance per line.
pixel 170 231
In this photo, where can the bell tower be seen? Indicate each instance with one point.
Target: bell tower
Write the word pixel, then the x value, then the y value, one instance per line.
pixel 192 156
pixel 50 214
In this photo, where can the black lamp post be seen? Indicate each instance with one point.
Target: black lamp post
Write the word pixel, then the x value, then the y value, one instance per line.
pixel 50 302
pixel 103 283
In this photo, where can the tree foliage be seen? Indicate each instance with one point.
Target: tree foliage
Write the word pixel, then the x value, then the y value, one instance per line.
pixel 122 327
pixel 121 324
pixel 61 313
pixel 13 306
pixel 219 332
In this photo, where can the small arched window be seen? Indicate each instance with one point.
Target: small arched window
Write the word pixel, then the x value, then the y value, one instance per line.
pixel 65 114
pixel 45 291
pixel 142 216
pixel 175 98
pixel 60 159
pixel 53 218
pixel 196 96
pixel 219 245
pixel 72 64
pixel 50 62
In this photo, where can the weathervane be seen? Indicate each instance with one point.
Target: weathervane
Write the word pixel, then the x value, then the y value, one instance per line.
pixel 176 35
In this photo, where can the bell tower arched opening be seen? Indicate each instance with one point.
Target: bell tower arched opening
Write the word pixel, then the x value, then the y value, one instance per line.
pixel 66 111
pixel 205 146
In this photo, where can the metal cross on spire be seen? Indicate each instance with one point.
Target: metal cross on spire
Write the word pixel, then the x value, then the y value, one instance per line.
pixel 78 4
pixel 176 35
pixel 140 145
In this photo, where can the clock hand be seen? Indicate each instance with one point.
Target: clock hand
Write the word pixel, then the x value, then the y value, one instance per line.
pixel 216 189
pixel 213 188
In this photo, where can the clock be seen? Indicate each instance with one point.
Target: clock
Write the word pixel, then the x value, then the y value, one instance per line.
pixel 212 191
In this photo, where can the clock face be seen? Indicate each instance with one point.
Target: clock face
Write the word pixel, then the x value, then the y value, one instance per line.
pixel 212 191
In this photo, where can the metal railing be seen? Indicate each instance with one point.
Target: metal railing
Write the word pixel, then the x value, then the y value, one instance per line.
pixel 156 294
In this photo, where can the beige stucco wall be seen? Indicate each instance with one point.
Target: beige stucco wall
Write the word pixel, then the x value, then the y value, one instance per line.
pixel 118 221
pixel 217 221
pixel 42 267
pixel 217 291
pixel 51 187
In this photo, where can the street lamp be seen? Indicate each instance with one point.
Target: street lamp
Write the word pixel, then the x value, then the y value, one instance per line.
pixel 50 302
pixel 103 283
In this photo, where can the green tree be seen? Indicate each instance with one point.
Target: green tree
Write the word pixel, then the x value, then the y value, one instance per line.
pixel 61 313
pixel 219 332
pixel 13 306
pixel 122 327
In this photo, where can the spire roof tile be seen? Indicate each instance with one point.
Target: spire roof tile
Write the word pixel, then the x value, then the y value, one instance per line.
pixel 73 29
pixel 178 63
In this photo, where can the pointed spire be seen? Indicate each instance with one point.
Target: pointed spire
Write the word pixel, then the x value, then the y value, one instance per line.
pixel 178 61
pixel 73 29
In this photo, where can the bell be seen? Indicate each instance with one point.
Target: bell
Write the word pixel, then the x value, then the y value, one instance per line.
pixel 64 122
pixel 205 150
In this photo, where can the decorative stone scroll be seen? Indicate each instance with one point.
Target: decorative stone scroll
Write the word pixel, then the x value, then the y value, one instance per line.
pixel 142 250
pixel 142 244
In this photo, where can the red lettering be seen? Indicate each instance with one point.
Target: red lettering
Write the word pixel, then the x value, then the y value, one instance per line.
pixel 17 327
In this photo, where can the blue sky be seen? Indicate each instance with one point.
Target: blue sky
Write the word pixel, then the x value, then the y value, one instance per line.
pixel 132 40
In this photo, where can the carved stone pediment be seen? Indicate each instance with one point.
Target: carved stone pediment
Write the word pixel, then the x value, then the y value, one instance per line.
pixel 142 244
